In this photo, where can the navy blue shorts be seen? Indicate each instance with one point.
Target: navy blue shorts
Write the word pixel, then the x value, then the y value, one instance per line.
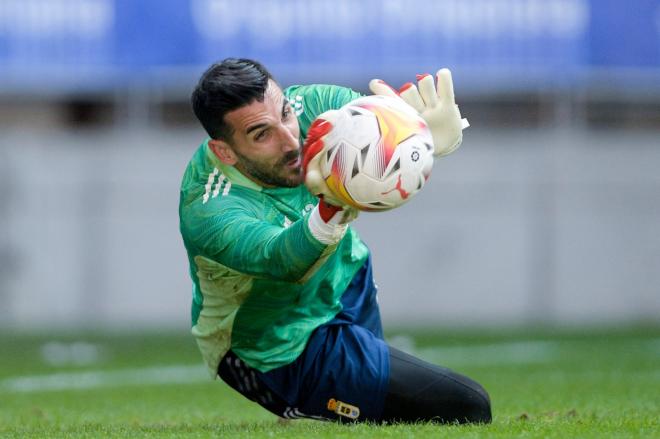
pixel 342 374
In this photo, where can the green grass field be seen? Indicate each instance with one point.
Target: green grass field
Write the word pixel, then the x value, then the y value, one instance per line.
pixel 569 383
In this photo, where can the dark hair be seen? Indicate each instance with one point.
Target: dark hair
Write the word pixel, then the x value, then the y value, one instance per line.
pixel 224 87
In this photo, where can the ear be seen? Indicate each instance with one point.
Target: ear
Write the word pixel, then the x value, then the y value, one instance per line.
pixel 223 150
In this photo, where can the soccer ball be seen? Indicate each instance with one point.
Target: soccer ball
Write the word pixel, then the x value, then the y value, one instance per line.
pixel 379 155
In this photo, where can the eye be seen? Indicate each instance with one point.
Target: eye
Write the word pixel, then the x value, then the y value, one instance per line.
pixel 286 110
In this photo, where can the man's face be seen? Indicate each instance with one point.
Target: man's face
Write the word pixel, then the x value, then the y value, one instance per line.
pixel 266 141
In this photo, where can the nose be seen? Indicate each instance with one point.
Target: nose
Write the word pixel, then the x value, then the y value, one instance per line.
pixel 288 140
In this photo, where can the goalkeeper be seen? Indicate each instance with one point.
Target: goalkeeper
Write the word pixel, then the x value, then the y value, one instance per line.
pixel 284 304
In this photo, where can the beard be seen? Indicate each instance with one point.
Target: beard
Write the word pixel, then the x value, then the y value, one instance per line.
pixel 279 175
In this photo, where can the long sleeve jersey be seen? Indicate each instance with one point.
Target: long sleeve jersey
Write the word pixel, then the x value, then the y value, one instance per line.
pixel 261 281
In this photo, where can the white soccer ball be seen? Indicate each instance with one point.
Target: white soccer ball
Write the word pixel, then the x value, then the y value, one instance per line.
pixel 380 153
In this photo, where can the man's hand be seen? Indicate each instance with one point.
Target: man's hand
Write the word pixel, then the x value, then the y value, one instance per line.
pixel 436 105
pixel 314 149
pixel 329 220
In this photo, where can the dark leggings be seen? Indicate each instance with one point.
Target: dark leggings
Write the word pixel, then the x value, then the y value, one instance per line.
pixel 418 391
pixel 421 391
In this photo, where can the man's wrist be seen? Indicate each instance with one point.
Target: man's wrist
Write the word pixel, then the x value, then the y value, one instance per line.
pixel 325 232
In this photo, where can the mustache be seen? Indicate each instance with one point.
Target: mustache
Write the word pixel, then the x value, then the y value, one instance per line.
pixel 289 156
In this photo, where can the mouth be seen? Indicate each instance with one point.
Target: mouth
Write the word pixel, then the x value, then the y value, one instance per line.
pixel 294 163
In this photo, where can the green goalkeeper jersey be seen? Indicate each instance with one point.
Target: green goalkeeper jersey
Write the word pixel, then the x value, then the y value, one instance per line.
pixel 261 281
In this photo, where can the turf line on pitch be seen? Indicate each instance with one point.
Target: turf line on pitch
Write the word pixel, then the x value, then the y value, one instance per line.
pixel 91 379
pixel 491 354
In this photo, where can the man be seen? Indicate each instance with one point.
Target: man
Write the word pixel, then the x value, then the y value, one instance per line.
pixel 284 303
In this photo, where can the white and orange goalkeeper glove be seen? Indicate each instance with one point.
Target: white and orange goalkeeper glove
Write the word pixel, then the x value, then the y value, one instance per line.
pixel 315 147
pixel 330 218
pixel 435 104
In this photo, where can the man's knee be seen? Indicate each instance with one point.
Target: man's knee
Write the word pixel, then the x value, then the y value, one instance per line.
pixel 477 408
pixel 464 401
pixel 422 391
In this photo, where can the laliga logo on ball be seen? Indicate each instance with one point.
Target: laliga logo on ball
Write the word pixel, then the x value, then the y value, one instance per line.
pixel 380 154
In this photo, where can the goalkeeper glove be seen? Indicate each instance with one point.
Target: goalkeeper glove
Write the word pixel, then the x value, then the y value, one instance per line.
pixel 436 106
pixel 329 220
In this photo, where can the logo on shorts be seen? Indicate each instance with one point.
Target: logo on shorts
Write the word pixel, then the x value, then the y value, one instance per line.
pixel 343 409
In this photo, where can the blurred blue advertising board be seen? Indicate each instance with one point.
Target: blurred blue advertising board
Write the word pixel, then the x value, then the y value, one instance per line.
pixel 625 34
pixel 109 43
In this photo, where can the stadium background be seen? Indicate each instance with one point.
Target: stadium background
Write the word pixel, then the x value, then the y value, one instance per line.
pixel 548 214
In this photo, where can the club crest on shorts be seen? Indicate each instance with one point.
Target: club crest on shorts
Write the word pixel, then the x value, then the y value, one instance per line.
pixel 343 409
